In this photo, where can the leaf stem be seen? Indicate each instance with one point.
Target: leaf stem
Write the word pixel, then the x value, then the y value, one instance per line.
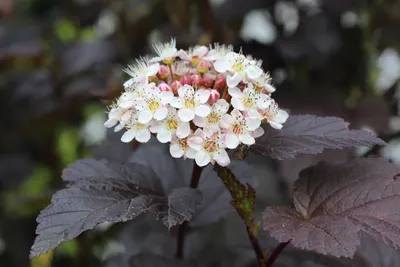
pixel 194 182
pixel 275 253
pixel 256 247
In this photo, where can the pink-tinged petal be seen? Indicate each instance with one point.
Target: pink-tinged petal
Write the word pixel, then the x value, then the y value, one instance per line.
pixel 183 55
pixel 176 151
pixel 200 51
pixel 258 132
pixel 191 153
pixel 161 113
pixel 235 92
pixel 156 127
pixel 226 121
pixel 199 121
pixel 176 102
pixel 185 90
pixel 164 136
pixel 143 136
pixel 195 142
pixel 246 139
pixel 145 116
pixel 282 116
pixel 221 106
pixel 183 130
pixel 110 123
pixel 202 158
pixel 253 71
pixel 222 65
pixel 153 69
pixel 237 115
pixel 128 136
pixel 202 95
pixel 263 101
pixel 275 125
pixel 207 133
pixel 233 81
pixel 252 123
pixel 222 157
pixel 166 97
pixel 231 141
pixel 269 88
pixel 253 113
pixel 237 103
pixel 186 114
pixel 119 127
pixel 202 111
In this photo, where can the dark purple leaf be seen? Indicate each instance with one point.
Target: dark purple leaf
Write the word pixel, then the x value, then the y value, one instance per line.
pixel 150 260
pixel 108 192
pixel 361 195
pixel 309 134
pixel 374 254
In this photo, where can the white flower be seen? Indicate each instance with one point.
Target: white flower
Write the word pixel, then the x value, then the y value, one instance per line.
pixel 213 119
pixel 179 147
pixel 264 82
pixel 239 129
pixel 218 52
pixel 166 52
pixel 142 69
pixel 249 99
pixel 136 130
pixel 191 103
pixel 195 54
pixel 181 68
pixel 274 115
pixel 210 147
pixel 239 66
pixel 114 115
pixel 170 126
pixel 153 104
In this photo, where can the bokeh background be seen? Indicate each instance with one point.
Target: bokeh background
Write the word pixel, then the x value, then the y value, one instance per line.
pixel 61 63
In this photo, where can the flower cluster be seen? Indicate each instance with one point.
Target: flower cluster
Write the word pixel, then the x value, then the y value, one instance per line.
pixel 202 101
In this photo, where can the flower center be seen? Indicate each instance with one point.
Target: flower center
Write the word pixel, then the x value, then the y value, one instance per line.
pixel 172 124
pixel 189 103
pixel 237 129
pixel 210 145
pixel 140 126
pixel 183 143
pixel 154 105
pixel 248 102
pixel 237 67
pixel 213 118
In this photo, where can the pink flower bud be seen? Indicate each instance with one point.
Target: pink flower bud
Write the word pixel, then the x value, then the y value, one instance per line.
pixel 214 96
pixel 220 83
pixel 196 79
pixel 164 87
pixel 163 72
pixel 208 80
pixel 175 85
pixel 186 80
pixel 202 67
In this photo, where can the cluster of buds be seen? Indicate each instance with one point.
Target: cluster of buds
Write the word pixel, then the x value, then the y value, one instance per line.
pixel 202 102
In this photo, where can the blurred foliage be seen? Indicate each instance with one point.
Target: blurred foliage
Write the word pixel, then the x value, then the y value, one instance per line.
pixel 61 61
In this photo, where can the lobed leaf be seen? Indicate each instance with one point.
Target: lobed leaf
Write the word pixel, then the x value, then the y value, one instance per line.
pixel 108 192
pixel 309 134
pixel 359 196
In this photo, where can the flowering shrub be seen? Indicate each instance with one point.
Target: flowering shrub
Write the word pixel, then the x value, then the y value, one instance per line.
pixel 202 101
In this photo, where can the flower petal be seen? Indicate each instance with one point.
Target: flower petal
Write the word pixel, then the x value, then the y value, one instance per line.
pixel 119 127
pixel 156 127
pixel 199 121
pixel 164 136
pixel 166 97
pixel 200 51
pixel 128 136
pixel 253 71
pixel 233 81
pixel 202 158
pixel 258 132
pixel 202 111
pixel 252 123
pixel 161 113
pixel 185 90
pixel 232 141
pixel 222 157
pixel 269 88
pixel 176 151
pixel 235 92
pixel 282 116
pixel 237 103
pixel 183 55
pixel 275 125
pixel 186 114
pixel 145 116
pixel 221 106
pixel 222 65
pixel 143 136
pixel 263 101
pixel 226 121
pixel 202 95
pixel 176 102
pixel 110 123
pixel 195 142
pixel 183 130
pixel 127 103
pixel 191 153
pixel 153 69
pixel 246 139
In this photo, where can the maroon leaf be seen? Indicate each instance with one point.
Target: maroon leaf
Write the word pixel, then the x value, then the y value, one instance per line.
pixel 361 195
pixel 309 134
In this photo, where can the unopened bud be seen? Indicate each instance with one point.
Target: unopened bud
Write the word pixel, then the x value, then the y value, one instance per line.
pixel 164 87
pixel 214 96
pixel 202 67
pixel 186 79
pixel 175 85
pixel 220 83
pixel 196 79
pixel 208 80
pixel 163 72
